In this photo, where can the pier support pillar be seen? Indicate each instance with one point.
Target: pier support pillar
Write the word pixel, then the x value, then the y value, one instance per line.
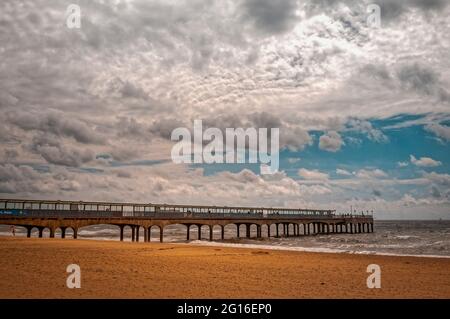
pixel 258 231
pixel 161 234
pixel 52 233
pixel 137 232
pixel 222 232
pixel 277 231
pixel 133 231
pixel 237 229
pixel 247 226
pixel 211 233
pixel 29 231
pixel 371 227
pixel 268 231
pixel 121 227
pixel 63 232
pixel 145 234
pixel 75 233
pixel 199 232
pixel 41 229
pixel 188 232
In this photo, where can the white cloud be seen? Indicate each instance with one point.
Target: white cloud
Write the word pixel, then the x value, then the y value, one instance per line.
pixel 369 174
pixel 331 142
pixel 365 127
pixel 343 172
pixel 312 174
pixel 402 164
pixel 293 160
pixel 424 161
pixel 439 130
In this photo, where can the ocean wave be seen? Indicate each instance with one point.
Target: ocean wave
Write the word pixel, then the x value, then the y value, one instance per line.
pixel 310 249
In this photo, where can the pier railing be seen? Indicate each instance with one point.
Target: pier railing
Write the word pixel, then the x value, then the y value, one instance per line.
pixel 71 209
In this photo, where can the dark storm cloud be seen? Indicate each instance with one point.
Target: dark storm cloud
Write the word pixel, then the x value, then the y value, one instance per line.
pixel 59 124
pixel 418 78
pixel 130 90
pixel 423 80
pixel 430 4
pixel 435 192
pixel 164 127
pixel 264 119
pixel 376 192
pixel 270 16
pixel 18 178
pixel 55 152
pixel 291 137
pixel 391 9
pixel 131 128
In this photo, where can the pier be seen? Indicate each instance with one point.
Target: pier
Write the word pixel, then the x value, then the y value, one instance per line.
pixel 268 222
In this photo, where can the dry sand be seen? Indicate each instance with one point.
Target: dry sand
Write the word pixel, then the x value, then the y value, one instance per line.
pixel 36 268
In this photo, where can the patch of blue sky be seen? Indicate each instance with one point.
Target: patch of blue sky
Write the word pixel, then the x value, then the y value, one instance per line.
pixel 138 163
pixel 362 154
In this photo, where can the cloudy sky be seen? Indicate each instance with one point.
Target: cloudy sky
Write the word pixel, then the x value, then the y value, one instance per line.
pixel 363 112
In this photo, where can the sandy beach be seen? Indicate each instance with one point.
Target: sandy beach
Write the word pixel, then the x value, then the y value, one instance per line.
pixel 36 268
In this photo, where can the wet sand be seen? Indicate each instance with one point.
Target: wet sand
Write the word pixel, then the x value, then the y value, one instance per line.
pixel 36 268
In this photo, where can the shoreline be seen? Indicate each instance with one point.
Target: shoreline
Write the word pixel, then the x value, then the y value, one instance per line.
pixel 36 268
pixel 229 244
pixel 306 249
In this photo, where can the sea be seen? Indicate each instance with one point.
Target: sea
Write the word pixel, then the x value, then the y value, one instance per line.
pixel 400 238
